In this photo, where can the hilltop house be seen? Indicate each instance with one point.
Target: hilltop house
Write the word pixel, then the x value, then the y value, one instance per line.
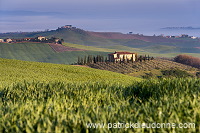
pixel 121 56
pixel 67 26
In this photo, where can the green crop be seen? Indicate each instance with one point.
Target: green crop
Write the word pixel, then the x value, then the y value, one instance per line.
pixel 60 98
pixel 62 107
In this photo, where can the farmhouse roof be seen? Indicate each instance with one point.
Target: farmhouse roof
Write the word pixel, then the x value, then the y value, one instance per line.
pixel 121 53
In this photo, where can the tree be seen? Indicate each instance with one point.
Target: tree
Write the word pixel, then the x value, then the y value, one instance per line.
pixel 106 59
pixel 79 61
pixel 148 58
pixel 136 57
pixel 102 59
pixel 94 59
pixel 124 59
pixel 140 58
pixel 144 58
pixel 85 60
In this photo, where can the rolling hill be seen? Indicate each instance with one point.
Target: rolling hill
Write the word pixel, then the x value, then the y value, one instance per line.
pixel 94 43
pixel 19 71
pixel 41 52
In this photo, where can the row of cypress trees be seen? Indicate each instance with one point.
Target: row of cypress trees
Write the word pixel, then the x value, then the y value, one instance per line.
pixel 91 59
pixel 99 58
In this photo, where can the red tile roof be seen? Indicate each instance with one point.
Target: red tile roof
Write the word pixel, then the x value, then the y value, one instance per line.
pixel 121 53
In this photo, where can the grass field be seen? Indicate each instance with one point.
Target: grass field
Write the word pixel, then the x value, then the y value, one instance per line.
pixel 42 97
pixel 41 52
pixel 156 51
pixel 19 71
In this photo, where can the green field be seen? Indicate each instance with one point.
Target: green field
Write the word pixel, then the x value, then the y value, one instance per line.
pixel 44 97
pixel 41 52
pixel 19 71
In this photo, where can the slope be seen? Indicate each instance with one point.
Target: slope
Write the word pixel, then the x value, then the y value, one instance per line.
pixel 41 52
pixel 109 41
pixel 19 71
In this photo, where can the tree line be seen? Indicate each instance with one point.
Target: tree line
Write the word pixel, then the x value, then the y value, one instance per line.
pixel 99 58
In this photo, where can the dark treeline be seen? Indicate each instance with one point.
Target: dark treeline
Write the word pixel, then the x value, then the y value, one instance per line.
pixel 91 59
pixel 46 40
pixel 144 58
pixel 99 58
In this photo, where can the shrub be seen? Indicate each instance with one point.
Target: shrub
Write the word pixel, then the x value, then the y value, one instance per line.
pixel 176 73
pixel 188 60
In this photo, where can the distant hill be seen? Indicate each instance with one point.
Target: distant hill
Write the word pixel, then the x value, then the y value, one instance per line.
pixel 182 28
pixel 94 43
pixel 79 36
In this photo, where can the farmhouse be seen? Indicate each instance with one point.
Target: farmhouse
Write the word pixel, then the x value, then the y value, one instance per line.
pixel 28 39
pixel 1 40
pixel 121 56
pixel 8 40
pixel 41 38
pixel 67 27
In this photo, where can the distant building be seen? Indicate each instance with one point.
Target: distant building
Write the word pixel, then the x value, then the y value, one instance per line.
pixel 56 40
pixel 41 38
pixel 27 39
pixel 193 37
pixel 120 56
pixel 184 36
pixel 8 40
pixel 1 40
pixel 67 26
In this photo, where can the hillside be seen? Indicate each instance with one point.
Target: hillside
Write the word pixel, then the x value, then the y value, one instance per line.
pixel 81 43
pixel 103 39
pixel 18 71
pixel 41 52
pixel 152 68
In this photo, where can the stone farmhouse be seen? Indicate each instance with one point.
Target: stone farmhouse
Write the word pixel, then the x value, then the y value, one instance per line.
pixel 121 56
pixel 8 40
pixel 1 40
pixel 67 26
pixel 41 38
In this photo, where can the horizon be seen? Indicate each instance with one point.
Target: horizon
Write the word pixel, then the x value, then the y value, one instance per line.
pixel 143 17
pixel 166 30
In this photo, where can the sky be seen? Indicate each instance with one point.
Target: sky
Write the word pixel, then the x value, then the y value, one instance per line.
pixel 137 16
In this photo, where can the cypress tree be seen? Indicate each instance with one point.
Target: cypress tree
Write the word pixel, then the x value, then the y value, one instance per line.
pixel 144 58
pixel 123 58
pixel 97 58
pixel 106 59
pixel 85 60
pixel 94 59
pixel 148 58
pixel 136 57
pixel 79 60
pixel 88 59
pixel 102 59
pixel 140 58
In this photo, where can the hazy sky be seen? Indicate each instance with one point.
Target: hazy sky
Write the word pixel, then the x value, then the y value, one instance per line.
pixel 98 15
